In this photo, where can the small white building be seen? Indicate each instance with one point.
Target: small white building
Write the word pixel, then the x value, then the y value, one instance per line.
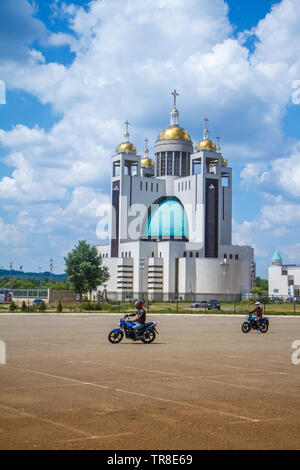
pixel 284 279
pixel 171 221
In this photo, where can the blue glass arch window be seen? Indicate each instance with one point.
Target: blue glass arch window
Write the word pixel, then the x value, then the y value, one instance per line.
pixel 166 220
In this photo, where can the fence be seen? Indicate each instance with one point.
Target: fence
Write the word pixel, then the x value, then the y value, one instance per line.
pixel 20 294
pixel 180 306
pixel 50 296
pixel 166 296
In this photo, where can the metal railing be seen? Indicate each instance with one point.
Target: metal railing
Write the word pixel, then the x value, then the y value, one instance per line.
pixel 27 293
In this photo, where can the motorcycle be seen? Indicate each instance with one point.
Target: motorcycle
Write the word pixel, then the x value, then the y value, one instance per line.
pixel 147 333
pixel 252 324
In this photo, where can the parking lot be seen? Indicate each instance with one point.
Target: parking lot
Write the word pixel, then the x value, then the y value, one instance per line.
pixel 202 384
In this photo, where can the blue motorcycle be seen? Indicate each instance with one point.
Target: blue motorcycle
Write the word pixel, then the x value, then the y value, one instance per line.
pixel 252 324
pixel 147 333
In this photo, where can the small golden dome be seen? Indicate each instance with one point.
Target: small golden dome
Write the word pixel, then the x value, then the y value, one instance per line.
pixel 174 110
pixel 126 147
pixel 206 144
pixel 147 162
pixel 174 132
pixel 224 161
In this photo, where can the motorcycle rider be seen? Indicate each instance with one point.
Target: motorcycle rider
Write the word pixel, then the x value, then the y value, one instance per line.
pixel 258 312
pixel 140 319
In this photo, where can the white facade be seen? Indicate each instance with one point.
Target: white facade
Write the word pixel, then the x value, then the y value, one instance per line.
pixel 171 222
pixel 284 280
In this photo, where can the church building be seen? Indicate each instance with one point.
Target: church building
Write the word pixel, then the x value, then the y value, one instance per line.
pixel 171 221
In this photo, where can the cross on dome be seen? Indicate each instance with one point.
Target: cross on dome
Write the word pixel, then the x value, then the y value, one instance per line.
pixel 126 133
pixel 174 93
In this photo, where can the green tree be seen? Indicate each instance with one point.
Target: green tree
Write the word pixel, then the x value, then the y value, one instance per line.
pixel 262 284
pixel 84 268
pixel 257 290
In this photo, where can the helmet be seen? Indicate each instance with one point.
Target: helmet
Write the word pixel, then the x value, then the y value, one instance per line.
pixel 257 303
pixel 139 304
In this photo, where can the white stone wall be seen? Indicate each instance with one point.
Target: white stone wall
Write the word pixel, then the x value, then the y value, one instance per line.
pixel 278 282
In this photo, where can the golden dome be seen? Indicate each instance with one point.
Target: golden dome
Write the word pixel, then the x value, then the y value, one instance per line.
pixel 174 132
pixel 126 147
pixel 206 144
pixel 147 162
pixel 224 161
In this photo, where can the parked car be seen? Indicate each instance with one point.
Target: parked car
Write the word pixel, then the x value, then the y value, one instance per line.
pixel 213 305
pixel 290 299
pixel 276 300
pixel 201 303
pixel 264 299
pixel 37 302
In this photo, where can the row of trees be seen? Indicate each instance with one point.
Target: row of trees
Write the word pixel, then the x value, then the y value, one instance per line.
pixel 34 283
pixel 13 307
pixel 83 267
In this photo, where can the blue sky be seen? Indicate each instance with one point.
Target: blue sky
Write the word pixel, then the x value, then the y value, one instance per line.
pixel 76 70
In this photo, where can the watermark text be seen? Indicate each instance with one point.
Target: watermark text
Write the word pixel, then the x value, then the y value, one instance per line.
pixel 2 92
pixel 296 353
pixel 2 352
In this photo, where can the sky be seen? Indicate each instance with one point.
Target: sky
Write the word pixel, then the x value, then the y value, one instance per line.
pixel 71 73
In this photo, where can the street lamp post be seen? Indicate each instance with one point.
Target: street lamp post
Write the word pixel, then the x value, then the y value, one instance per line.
pixel 10 278
pixel 142 266
pixel 105 292
pixel 40 281
pixel 51 269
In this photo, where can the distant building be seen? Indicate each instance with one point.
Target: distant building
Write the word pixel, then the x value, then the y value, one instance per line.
pixel 171 222
pixel 284 279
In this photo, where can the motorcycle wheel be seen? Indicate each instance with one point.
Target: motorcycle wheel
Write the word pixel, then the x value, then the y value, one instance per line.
pixel 246 327
pixel 115 336
pixel 148 336
pixel 264 328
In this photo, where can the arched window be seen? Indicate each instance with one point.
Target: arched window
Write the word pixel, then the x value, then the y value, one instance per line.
pixel 166 221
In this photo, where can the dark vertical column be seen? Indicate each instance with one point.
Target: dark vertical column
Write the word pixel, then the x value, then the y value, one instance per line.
pixel 169 163
pixel 157 164
pixel 130 190
pixel 176 275
pixel 183 163
pixel 115 219
pixel 188 164
pixel 163 163
pixel 223 203
pixel 211 219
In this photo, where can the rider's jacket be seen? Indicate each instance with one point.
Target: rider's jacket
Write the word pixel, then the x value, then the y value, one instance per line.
pixel 141 315
pixel 258 311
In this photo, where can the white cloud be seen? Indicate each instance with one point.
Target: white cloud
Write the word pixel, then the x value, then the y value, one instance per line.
pixel 128 56
pixel 18 27
pixel 10 234
pixel 281 176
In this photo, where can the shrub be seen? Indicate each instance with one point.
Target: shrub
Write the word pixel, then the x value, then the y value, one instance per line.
pixel 91 306
pixel 251 301
pixel 59 307
pixel 24 307
pixel 12 307
pixel 42 306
